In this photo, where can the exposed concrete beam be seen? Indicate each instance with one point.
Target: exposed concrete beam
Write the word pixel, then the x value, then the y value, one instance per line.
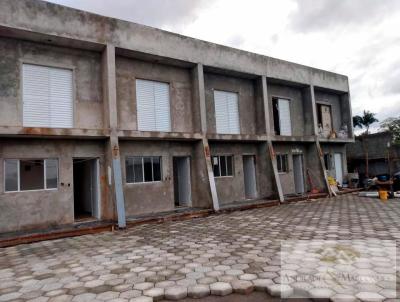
pixel 275 170
pixel 264 91
pixel 322 162
pixel 210 171
pixel 317 144
pixel 314 111
pixel 200 96
pixel 111 121
pixel 72 24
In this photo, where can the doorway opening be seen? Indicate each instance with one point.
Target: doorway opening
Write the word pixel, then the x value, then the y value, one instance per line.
pixel 298 173
pixel 338 168
pixel 86 188
pixel 182 184
pixel 249 173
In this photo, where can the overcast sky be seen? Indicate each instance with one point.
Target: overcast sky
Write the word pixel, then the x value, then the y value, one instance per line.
pixel 358 38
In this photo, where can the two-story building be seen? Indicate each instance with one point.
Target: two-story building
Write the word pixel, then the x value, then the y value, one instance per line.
pixel 103 119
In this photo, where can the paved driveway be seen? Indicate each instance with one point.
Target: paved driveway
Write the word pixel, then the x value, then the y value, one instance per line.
pixel 215 255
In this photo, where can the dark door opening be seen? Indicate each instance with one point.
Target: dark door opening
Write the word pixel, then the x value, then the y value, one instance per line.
pixel 86 188
pixel 182 185
pixel 249 173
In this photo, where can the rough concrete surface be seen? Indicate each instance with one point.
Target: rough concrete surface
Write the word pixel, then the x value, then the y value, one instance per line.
pixel 169 258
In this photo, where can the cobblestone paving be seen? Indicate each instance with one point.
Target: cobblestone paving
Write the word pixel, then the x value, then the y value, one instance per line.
pixel 217 255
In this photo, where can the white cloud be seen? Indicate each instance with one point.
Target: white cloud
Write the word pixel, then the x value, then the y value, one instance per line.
pixel 358 38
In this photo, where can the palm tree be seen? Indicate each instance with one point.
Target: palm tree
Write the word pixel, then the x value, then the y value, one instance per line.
pixel 366 120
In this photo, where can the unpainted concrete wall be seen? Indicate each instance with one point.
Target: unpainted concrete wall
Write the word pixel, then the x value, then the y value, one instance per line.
pixel 153 197
pixel 332 149
pixel 315 167
pixel 179 79
pixel 231 188
pixel 45 17
pixel 249 123
pixel 335 101
pixel 295 95
pixel 42 208
pixel 287 179
pixel 88 111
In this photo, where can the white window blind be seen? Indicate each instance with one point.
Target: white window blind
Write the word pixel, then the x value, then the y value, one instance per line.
pixel 226 112
pixel 153 106
pixel 47 97
pixel 285 123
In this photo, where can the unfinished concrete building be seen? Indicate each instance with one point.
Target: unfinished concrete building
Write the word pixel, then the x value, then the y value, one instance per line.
pixel 103 119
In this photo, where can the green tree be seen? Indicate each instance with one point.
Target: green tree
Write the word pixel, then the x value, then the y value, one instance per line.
pixel 366 120
pixel 357 121
pixel 392 124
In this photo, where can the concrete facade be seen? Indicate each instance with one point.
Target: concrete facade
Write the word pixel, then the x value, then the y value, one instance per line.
pixel 107 56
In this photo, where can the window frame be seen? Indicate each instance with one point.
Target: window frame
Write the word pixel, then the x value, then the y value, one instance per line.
pixel 19 174
pixel 319 113
pixel 43 63
pixel 229 120
pixel 155 81
pixel 286 156
pixel 142 157
pixel 226 165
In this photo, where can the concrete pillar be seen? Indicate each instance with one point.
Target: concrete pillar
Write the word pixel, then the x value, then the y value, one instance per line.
pixel 317 144
pixel 264 91
pixel 347 115
pixel 200 96
pixel 113 159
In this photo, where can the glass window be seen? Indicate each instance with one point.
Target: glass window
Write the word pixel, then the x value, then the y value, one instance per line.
pixel 51 173
pixel 157 168
pixel 215 163
pixel 148 169
pixel 229 165
pixel 143 169
pixel 222 165
pixel 129 170
pixel 222 162
pixel 282 163
pixel 30 174
pixel 138 169
pixel 11 174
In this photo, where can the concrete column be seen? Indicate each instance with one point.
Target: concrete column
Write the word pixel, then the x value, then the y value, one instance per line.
pixel 201 98
pixel 111 122
pixel 347 114
pixel 264 91
pixel 317 144
pixel 314 111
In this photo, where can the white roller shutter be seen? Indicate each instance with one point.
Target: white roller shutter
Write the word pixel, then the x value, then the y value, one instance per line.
pixel 153 106
pixel 285 123
pixel 145 105
pixel 61 98
pixel 226 112
pixel 162 107
pixel 233 110
pixel 47 97
pixel 221 112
